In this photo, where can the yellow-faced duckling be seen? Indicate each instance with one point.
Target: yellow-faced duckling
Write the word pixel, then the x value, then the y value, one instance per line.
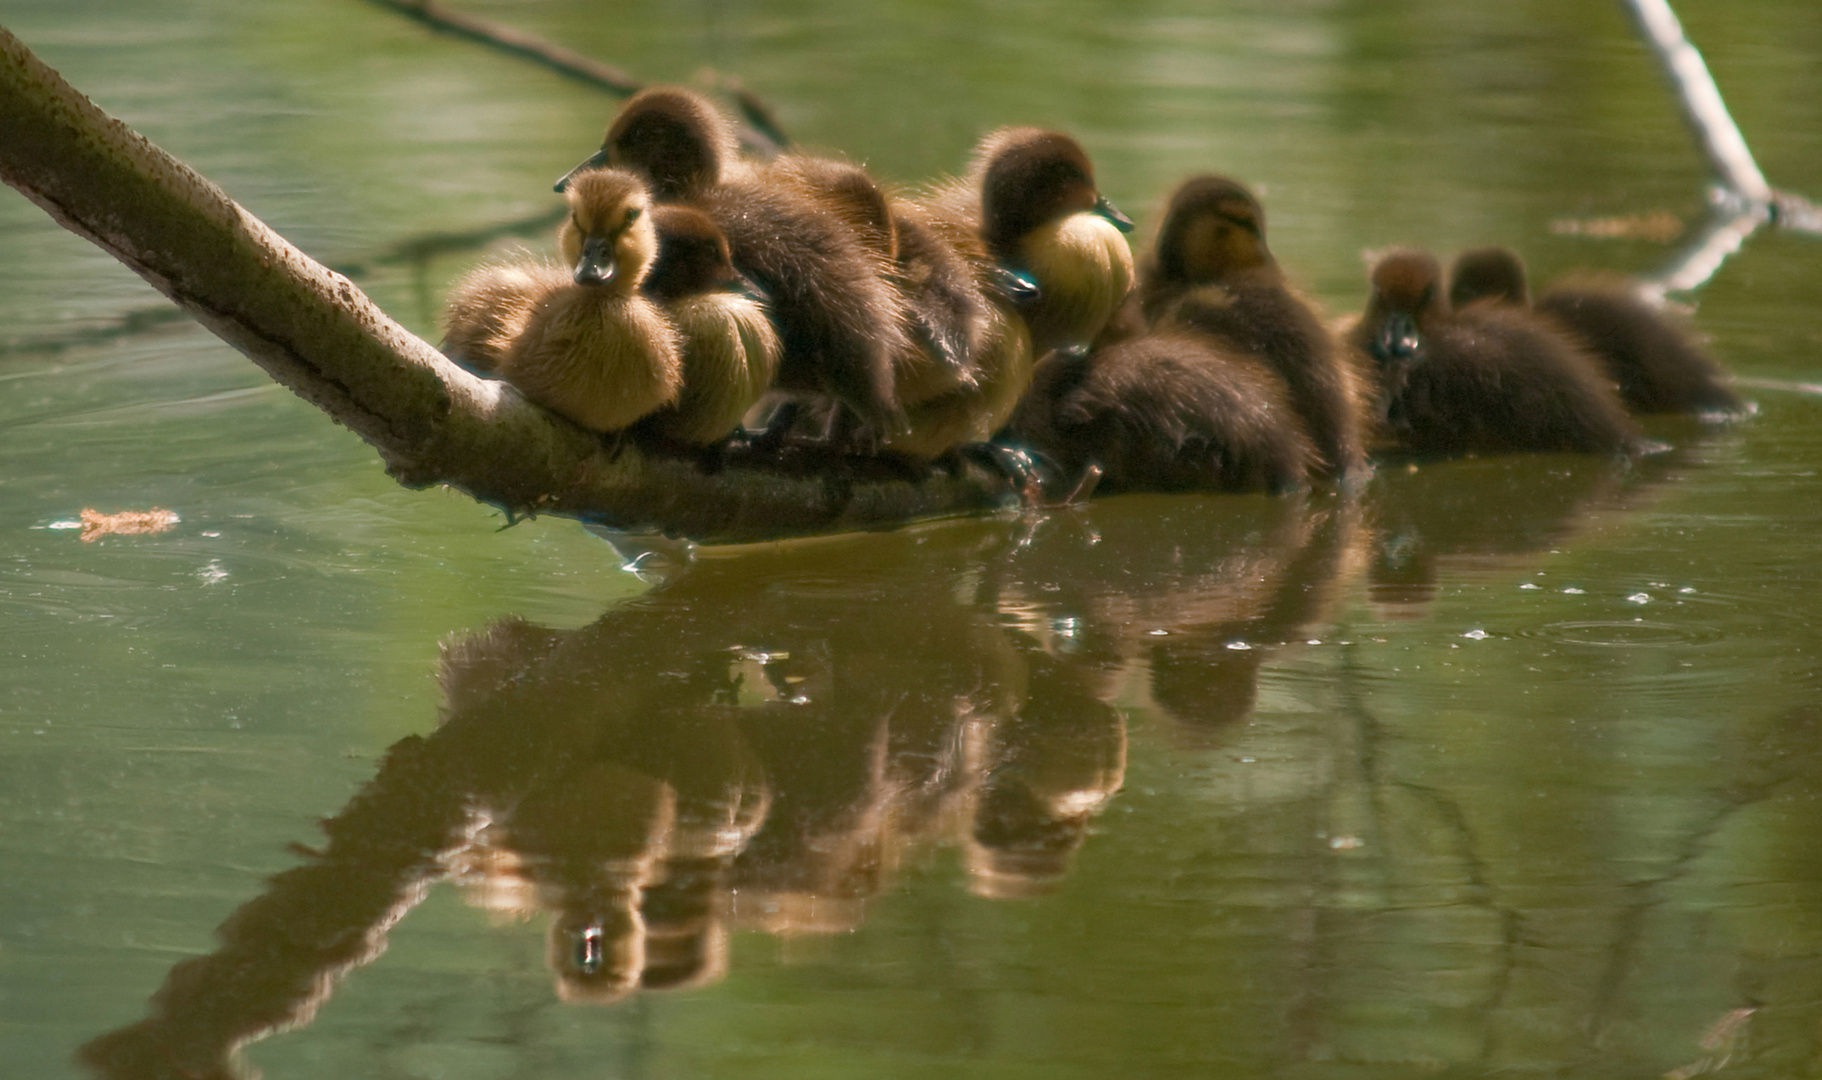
pixel 839 319
pixel 594 349
pixel 1484 379
pixel 1212 270
pixel 490 306
pixel 1060 244
pixel 1172 410
pixel 1654 357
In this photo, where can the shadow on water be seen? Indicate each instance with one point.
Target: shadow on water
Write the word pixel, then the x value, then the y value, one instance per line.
pixel 764 740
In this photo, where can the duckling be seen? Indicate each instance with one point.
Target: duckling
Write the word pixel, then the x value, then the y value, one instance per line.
pixel 1655 358
pixel 970 357
pixel 729 350
pixel 839 319
pixel 1060 243
pixel 490 306
pixel 1212 270
pixel 1484 379
pixel 952 279
pixel 595 350
pixel 1173 410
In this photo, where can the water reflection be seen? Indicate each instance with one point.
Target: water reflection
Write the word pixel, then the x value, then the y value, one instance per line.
pixel 763 741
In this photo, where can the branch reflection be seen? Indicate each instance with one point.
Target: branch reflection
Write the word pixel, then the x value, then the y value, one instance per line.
pixel 763 741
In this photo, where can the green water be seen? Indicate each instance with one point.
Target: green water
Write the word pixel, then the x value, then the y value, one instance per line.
pixel 1513 767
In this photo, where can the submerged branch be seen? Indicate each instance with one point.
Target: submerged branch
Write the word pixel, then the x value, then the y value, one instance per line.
pixel 1701 259
pixel 1747 201
pixel 1701 100
pixel 411 251
pixel 517 43
pixel 761 133
pixel 313 331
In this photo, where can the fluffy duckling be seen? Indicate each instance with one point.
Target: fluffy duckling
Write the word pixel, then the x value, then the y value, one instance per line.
pixel 594 349
pixel 1060 243
pixel 839 319
pixel 490 306
pixel 1212 270
pixel 1172 410
pixel 729 350
pixel 1484 379
pixel 950 277
pixel 1655 359
pixel 970 354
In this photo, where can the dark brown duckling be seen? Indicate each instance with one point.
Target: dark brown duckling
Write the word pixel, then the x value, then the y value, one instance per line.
pixel 1061 245
pixel 1172 410
pixel 970 358
pixel 1212 270
pixel 730 351
pixel 839 318
pixel 1485 379
pixel 1653 356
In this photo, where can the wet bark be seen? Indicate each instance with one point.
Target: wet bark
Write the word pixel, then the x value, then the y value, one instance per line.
pixel 432 422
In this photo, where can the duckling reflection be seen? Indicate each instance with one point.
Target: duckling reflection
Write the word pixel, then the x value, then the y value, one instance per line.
pixel 1044 772
pixel 1653 356
pixel 1195 617
pixel 1435 522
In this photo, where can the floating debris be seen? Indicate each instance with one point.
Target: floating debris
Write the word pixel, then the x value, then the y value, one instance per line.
pixel 95 524
pixel 1660 228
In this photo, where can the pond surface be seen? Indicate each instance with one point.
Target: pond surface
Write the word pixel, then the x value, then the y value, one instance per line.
pixel 1511 766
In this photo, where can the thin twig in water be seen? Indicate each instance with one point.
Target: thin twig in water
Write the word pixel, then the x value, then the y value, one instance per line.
pixel 1746 201
pixel 760 133
pixel 414 250
pixel 1696 91
pixel 499 36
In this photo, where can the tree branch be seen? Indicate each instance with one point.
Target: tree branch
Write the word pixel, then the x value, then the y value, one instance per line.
pixel 313 331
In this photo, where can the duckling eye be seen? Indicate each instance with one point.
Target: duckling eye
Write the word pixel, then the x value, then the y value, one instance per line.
pixel 632 213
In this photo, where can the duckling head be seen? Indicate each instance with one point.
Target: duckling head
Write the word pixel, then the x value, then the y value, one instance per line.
pixel 675 138
pixel 1030 177
pixel 1406 298
pixel 1060 243
pixel 1490 273
pixel 693 256
pixel 608 241
pixel 1214 228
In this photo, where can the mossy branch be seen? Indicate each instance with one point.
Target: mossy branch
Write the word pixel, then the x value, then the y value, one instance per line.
pixel 432 422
